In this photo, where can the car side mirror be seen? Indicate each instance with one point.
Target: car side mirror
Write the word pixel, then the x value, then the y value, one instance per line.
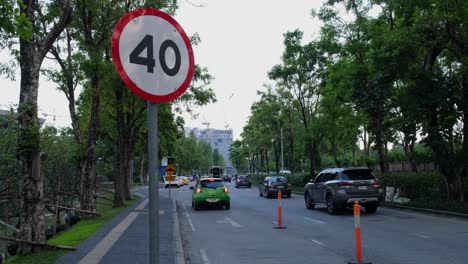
pixel 191 188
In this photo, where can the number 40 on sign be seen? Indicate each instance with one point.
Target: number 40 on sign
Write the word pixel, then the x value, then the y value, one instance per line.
pixel 153 55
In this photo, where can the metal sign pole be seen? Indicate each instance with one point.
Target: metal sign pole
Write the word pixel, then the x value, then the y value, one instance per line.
pixel 153 181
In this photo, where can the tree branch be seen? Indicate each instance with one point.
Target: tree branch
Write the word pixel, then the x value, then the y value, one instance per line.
pixel 64 20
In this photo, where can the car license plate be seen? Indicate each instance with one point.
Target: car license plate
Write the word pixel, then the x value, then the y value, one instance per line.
pixel 362 187
pixel 280 187
pixel 213 200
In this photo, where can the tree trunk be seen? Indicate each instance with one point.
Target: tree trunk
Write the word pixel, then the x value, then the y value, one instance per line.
pixel 266 159
pixel 126 173
pixel 455 186
pixel 119 153
pixel 142 169
pixel 311 155
pixel 31 54
pixel 88 191
pixel 380 145
pixel 118 181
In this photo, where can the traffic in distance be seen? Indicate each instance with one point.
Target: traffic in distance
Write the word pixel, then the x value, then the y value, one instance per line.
pixel 318 220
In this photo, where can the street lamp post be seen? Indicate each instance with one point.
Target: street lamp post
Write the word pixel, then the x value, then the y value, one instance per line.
pixel 282 157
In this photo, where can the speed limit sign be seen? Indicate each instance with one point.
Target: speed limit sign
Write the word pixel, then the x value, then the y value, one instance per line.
pixel 153 55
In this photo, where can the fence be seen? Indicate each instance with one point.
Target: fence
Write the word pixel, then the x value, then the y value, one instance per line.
pixel 406 166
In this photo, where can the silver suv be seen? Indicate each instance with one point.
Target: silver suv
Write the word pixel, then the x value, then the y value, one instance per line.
pixel 338 188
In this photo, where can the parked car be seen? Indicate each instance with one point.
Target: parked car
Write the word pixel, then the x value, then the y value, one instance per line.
pixel 285 172
pixel 176 182
pixel 243 180
pixel 339 188
pixel 210 192
pixel 185 180
pixel 271 185
pixel 227 177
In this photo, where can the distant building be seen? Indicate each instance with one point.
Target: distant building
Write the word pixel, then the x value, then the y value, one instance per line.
pixel 217 138
pixel 4 115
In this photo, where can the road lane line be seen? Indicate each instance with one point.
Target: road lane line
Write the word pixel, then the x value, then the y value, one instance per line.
pixel 229 221
pixel 204 256
pixel 188 217
pixel 142 205
pixel 106 244
pixel 316 242
pixel 139 194
pixel 315 221
pixel 423 236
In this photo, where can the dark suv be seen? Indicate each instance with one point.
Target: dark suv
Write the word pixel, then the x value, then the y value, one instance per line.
pixel 273 184
pixel 340 187
pixel 243 180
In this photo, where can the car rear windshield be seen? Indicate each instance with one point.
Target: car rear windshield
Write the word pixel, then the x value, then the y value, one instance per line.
pixel 211 184
pixel 355 175
pixel 279 179
pixel 244 178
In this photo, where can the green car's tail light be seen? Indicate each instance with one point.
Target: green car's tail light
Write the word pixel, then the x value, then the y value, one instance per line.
pixel 225 189
pixel 199 190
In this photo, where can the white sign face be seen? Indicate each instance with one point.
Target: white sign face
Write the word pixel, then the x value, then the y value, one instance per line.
pixel 153 55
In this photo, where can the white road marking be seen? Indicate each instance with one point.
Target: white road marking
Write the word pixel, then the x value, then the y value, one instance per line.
pixel 103 247
pixel 178 238
pixel 423 236
pixel 315 220
pixel 139 194
pixel 204 256
pixel 229 221
pixel 316 242
pixel 142 205
pixel 189 218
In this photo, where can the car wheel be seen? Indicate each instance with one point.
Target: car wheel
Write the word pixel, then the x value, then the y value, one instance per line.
pixel 166 186
pixel 308 201
pixel 268 196
pixel 370 209
pixel 196 206
pixel 260 193
pixel 227 206
pixel 250 186
pixel 331 205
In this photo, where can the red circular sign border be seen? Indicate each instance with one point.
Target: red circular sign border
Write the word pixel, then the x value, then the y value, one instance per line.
pixel 118 63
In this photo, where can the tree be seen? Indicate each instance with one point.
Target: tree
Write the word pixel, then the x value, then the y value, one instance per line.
pixel 300 74
pixel 237 155
pixel 34 44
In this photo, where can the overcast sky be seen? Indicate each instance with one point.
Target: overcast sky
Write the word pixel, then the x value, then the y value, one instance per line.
pixel 241 41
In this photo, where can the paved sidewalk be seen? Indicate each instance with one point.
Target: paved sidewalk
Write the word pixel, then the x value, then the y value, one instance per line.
pixel 126 238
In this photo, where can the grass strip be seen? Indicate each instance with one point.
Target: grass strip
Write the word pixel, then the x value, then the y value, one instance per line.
pixel 72 236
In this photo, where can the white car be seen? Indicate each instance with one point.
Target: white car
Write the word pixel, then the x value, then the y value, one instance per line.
pixel 176 183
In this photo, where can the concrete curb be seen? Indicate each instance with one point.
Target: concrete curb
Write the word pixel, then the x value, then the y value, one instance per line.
pixel 428 211
pixel 180 255
pixel 416 209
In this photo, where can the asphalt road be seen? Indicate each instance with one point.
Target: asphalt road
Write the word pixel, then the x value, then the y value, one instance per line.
pixel 245 233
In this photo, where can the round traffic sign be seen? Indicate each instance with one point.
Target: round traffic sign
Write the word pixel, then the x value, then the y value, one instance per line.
pixel 153 55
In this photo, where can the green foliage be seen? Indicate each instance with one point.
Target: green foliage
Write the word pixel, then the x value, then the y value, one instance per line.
pixel 430 186
pixel 450 206
pixel 192 155
pixel 237 155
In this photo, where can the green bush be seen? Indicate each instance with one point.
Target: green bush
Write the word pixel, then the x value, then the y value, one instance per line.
pixel 451 206
pixel 416 185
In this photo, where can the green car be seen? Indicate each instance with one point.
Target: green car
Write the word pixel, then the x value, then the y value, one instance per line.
pixel 210 192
